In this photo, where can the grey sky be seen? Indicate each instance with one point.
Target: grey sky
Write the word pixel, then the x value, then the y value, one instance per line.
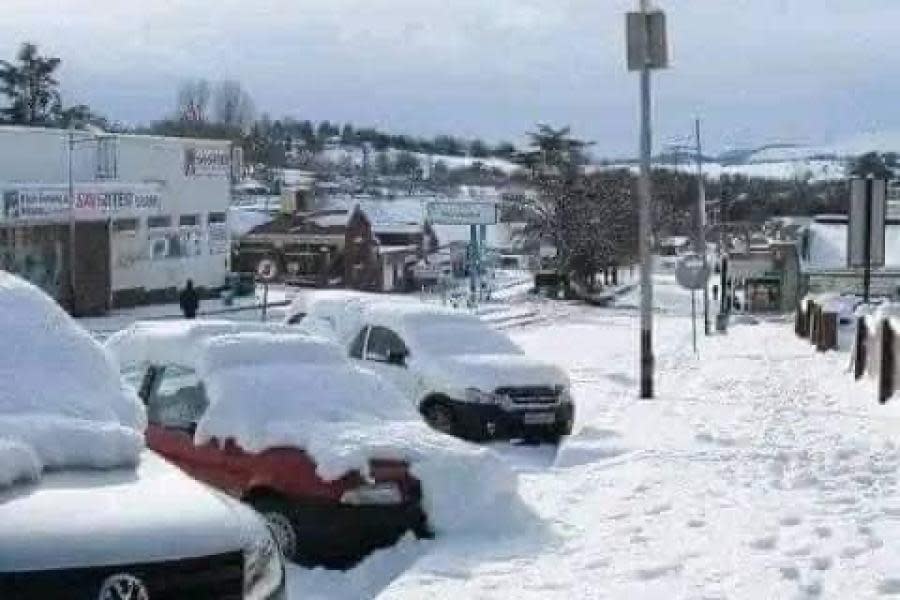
pixel 814 71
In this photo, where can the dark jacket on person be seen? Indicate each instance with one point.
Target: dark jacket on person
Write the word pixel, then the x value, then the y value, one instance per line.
pixel 190 301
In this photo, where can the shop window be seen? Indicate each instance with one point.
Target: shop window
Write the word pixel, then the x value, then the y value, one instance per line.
pixel 127 226
pixel 159 221
pixel 188 220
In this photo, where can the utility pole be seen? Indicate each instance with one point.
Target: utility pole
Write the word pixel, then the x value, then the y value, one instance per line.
pixel 647 50
pixel 72 245
pixel 701 224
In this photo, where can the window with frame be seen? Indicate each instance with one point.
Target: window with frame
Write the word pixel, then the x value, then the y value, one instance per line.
pixel 216 217
pixel 384 343
pixel 125 226
pixel 107 158
pixel 188 220
pixel 177 399
pixel 159 221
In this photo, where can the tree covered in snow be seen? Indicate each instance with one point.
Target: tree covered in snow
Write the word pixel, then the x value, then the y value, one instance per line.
pixel 591 220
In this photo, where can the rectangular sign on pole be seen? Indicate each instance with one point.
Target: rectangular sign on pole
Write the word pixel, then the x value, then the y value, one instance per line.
pixel 462 213
pixel 647 27
pixel 867 223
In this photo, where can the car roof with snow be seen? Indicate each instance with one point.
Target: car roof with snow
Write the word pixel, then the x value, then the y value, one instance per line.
pixel 62 403
pixel 306 300
pixel 176 342
pixel 401 314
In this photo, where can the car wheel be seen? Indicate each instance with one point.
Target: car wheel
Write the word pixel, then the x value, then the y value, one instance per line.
pixel 268 269
pixel 284 531
pixel 440 417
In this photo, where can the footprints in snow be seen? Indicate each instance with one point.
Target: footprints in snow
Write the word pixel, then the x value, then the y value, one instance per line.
pixel 591 445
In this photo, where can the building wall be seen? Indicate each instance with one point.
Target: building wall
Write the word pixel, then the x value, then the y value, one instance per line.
pixel 163 192
pixel 196 247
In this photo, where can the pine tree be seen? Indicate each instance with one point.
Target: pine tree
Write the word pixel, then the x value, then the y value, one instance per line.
pixel 30 87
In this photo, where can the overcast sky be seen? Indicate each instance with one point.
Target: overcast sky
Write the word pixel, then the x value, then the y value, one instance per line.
pixel 756 71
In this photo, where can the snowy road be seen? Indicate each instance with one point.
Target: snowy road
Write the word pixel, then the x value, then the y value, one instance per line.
pixel 760 471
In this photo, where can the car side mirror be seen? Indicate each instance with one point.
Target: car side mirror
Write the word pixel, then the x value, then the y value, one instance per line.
pixel 397 358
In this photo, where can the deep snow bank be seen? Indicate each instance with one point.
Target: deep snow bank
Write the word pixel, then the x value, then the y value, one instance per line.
pixel 269 391
pixel 62 403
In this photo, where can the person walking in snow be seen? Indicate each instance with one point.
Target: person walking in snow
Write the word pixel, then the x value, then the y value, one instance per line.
pixel 189 300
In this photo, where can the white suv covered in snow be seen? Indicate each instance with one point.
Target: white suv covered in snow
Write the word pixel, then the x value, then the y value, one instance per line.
pixel 466 379
pixel 86 511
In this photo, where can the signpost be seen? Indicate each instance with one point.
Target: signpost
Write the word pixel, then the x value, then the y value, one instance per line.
pixel 647 50
pixel 692 273
pixel 473 214
pixel 462 213
pixel 865 234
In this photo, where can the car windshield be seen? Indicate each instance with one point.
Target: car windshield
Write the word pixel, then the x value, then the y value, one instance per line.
pixel 452 337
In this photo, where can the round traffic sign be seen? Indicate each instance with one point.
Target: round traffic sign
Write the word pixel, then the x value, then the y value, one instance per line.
pixel 691 273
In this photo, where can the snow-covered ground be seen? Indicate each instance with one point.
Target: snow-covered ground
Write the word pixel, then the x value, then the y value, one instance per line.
pixel 761 470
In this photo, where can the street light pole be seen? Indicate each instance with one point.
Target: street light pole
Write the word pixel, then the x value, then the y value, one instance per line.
pixel 72 245
pixel 645 229
pixel 701 225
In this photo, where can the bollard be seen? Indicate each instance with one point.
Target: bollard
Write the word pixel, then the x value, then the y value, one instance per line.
pixel 859 355
pixel 800 322
pixel 886 374
pixel 827 338
pixel 813 327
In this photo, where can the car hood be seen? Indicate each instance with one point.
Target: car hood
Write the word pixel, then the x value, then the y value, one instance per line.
pixel 100 518
pixel 487 372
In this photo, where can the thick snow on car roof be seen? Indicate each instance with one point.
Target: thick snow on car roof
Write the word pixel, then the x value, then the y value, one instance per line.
pixel 175 342
pixel 267 348
pixel 400 314
pixel 62 403
pixel 305 300
pixel 280 390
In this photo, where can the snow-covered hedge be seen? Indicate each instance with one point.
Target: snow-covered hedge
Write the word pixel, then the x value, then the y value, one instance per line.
pixel 62 403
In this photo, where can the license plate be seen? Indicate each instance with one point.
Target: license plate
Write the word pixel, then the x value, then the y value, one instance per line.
pixel 538 418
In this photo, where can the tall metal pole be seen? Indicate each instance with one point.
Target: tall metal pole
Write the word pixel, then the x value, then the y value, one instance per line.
pixel 701 225
pixel 71 199
pixel 867 273
pixel 645 229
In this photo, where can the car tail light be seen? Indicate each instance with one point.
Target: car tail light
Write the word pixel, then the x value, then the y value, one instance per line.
pixel 384 493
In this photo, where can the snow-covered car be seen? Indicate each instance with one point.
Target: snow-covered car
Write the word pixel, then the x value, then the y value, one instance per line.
pixel 284 422
pixel 306 301
pixel 465 378
pixel 86 511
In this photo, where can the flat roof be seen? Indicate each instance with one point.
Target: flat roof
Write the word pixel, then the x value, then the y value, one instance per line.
pixel 25 129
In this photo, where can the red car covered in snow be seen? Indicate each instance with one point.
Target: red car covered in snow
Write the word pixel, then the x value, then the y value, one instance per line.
pixel 272 418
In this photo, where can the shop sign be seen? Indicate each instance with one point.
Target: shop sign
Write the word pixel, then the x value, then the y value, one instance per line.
pixel 202 161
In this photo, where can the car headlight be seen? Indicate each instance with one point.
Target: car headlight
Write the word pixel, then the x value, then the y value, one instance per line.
pixel 380 494
pixel 476 396
pixel 263 567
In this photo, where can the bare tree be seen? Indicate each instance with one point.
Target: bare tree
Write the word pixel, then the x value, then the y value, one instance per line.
pixel 193 100
pixel 232 105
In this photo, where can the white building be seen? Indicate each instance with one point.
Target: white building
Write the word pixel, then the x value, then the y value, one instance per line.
pixel 148 214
